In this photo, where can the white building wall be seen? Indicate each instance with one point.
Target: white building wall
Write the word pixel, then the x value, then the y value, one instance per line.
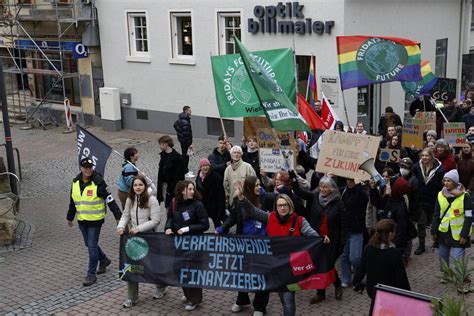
pixel 165 87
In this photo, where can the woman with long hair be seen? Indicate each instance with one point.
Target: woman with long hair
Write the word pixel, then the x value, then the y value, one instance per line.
pixel 140 214
pixel 429 173
pixel 381 262
pixel 249 226
pixel 187 215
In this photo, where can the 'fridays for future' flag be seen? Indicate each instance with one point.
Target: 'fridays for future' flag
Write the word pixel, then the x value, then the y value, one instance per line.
pixel 235 94
pixel 280 111
pixel 90 146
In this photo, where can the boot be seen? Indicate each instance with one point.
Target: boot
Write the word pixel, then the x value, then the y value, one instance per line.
pixel 420 249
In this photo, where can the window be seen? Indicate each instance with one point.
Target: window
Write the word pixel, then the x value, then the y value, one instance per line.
pixel 214 127
pixel 441 57
pixel 181 37
pixel 138 42
pixel 229 24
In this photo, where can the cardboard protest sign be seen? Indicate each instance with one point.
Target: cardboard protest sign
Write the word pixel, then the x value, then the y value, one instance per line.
pixel 389 155
pixel 272 160
pixel 342 153
pixel 455 133
pixel 260 128
pixel 428 118
pixel 412 133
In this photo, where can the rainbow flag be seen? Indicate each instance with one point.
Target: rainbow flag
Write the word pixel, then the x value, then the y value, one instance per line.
pixel 365 60
pixel 423 86
pixel 313 84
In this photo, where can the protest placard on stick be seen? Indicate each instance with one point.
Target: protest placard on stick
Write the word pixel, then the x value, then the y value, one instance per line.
pixel 389 155
pixel 342 153
pixel 428 118
pixel 455 133
pixel 412 133
pixel 272 160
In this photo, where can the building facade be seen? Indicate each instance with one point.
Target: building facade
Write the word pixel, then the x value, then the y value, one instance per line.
pixel 157 53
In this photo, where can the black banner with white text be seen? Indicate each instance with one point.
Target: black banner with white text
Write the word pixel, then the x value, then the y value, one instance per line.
pixel 229 262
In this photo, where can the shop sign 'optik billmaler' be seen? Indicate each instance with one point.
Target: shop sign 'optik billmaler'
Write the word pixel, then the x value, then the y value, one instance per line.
pixel 266 21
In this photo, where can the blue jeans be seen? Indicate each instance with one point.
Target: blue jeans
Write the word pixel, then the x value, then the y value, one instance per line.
pixel 91 240
pixel 351 255
pixel 288 302
pixel 446 251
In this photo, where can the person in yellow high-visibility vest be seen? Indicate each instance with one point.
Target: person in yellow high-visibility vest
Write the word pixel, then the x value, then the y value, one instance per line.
pixel 89 196
pixel 452 219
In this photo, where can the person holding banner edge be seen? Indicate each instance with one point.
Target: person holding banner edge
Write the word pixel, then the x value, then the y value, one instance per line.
pixel 88 199
pixel 142 214
pixel 187 215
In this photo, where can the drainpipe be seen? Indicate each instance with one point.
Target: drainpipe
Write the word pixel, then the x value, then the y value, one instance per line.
pixel 463 30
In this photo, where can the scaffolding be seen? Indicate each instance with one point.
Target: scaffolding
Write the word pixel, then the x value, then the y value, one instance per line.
pixel 38 54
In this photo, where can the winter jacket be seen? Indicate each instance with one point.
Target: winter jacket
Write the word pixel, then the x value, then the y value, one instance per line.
pixel 236 171
pixel 252 158
pixel 428 189
pixel 382 128
pixel 213 195
pixel 171 171
pixel 413 209
pixel 219 161
pixel 102 192
pixel 384 266
pixel 126 178
pixel 183 129
pixel 145 219
pixel 447 161
pixel 262 216
pixel 466 170
pixel 452 113
pixel 191 213
pixel 468 119
pixel 394 207
pixel 355 201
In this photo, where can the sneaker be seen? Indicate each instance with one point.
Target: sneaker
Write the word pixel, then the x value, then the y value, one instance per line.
pixel 159 292
pixel 316 299
pixel 345 285
pixel 190 307
pixel 89 280
pixel 103 265
pixel 237 308
pixel 442 281
pixel 184 299
pixel 420 250
pixel 129 303
pixel 258 313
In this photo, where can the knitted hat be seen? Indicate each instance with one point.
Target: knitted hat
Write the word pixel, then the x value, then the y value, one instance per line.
pixel 204 162
pixel 406 162
pixel 432 132
pixel 452 175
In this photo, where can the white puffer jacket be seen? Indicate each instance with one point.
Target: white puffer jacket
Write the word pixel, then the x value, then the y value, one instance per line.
pixel 146 219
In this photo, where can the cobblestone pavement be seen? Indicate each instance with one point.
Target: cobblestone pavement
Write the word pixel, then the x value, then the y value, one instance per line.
pixel 46 278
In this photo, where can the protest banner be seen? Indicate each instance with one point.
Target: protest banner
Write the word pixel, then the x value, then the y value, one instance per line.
pixel 89 146
pixel 272 160
pixel 428 118
pixel 236 263
pixel 342 153
pixel 389 155
pixel 259 127
pixel 444 89
pixel 455 133
pixel 412 133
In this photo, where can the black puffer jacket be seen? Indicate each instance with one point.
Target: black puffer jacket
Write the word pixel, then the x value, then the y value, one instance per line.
pixel 355 200
pixel 170 171
pixel 183 129
pixel 219 161
pixel 213 194
pixel 428 191
pixel 196 218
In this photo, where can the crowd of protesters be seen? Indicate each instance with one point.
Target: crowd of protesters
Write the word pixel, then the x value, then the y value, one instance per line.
pixel 370 227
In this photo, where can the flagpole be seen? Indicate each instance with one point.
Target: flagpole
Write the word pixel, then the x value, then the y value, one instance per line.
pixel 220 118
pixel 135 167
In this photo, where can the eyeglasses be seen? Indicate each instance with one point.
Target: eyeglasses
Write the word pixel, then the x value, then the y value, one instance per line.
pixel 282 205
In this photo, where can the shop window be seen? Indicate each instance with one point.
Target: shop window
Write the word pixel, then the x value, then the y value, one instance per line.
pixel 229 25
pixel 138 40
pixel 441 57
pixel 181 37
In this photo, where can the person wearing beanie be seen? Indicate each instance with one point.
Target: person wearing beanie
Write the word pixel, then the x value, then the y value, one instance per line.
pixel 210 184
pixel 431 135
pixel 238 170
pixel 444 155
pixel 465 168
pixel 452 221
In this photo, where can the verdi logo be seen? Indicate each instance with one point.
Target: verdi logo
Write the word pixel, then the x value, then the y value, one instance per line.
pixel 237 84
pixel 136 248
pixel 381 59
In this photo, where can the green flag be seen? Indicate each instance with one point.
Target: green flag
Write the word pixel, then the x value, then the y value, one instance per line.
pixel 235 94
pixel 279 110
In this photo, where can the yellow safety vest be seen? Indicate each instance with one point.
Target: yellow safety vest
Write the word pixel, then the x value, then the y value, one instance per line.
pixel 453 217
pixel 89 206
